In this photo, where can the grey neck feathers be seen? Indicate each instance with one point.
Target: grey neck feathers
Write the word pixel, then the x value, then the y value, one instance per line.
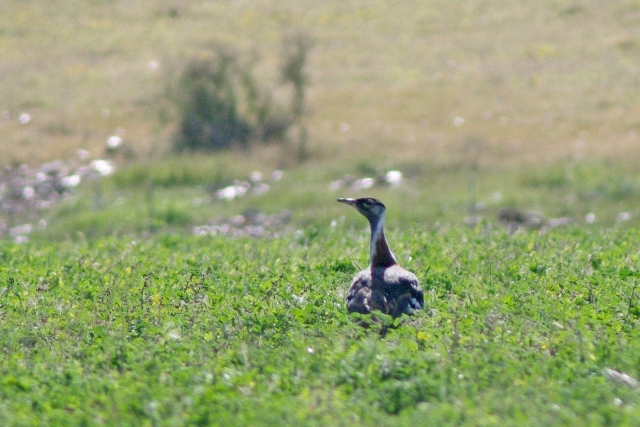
pixel 381 255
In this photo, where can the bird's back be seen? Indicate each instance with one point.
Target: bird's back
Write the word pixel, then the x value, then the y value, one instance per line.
pixel 392 290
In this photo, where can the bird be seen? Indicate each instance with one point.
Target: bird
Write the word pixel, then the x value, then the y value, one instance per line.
pixel 383 285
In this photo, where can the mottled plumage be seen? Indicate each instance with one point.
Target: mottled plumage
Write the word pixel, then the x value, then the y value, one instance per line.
pixel 384 285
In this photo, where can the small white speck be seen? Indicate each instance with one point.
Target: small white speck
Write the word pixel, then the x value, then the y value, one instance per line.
pixel 363 184
pixel 113 142
pixel 310 350
pixel 103 167
pixel 24 118
pixel 255 176
pixel 232 191
pixel 226 193
pixel 458 121
pixel 21 240
pixel 277 175
pixel 70 181
pixel 153 65
pixel 624 216
pixel 82 154
pixel 335 185
pixel 28 192
pixel 590 218
pixel 393 177
pixel 617 401
pixel 333 223
pixel 460 376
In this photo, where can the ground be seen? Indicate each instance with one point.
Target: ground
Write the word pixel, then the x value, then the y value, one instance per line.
pixel 166 290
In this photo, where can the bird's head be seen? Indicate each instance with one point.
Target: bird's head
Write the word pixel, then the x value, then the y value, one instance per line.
pixel 371 208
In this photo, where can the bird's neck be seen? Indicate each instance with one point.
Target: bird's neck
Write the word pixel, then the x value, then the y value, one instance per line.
pixel 381 255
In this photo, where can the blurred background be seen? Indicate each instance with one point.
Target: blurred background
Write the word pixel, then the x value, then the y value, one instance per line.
pixel 251 118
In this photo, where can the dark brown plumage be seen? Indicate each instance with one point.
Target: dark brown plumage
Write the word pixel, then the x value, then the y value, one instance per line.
pixel 384 285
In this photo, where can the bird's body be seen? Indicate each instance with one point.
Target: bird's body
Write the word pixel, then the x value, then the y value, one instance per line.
pixel 384 285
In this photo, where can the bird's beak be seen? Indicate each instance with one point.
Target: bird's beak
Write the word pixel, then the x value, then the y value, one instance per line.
pixel 350 202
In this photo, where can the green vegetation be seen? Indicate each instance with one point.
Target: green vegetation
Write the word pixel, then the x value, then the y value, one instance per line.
pixel 140 299
pixel 178 193
pixel 217 331
pixel 222 106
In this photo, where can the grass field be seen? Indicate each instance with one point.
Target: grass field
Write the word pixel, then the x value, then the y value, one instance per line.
pixel 532 81
pixel 518 330
pixel 116 310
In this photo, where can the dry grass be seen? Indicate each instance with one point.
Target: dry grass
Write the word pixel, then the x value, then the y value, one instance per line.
pixel 532 81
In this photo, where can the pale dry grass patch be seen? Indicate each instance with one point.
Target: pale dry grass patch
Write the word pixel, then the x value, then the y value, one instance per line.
pixel 534 81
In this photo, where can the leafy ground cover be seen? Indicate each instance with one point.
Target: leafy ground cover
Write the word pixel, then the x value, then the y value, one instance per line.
pixel 114 313
pixel 182 193
pixel 518 330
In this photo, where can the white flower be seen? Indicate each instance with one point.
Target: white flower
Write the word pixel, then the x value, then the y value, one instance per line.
pixel 232 191
pixel 624 216
pixel 277 175
pixel 113 142
pixel 335 185
pixel 21 240
pixel 70 181
pixel 255 176
pixel 393 177
pixel 363 184
pixel 590 218
pixel 24 118
pixel 103 167
pixel 28 192
pixel 227 193
pixel 82 154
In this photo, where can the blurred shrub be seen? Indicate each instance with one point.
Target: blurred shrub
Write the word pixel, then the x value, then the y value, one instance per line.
pixel 221 105
pixel 295 48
